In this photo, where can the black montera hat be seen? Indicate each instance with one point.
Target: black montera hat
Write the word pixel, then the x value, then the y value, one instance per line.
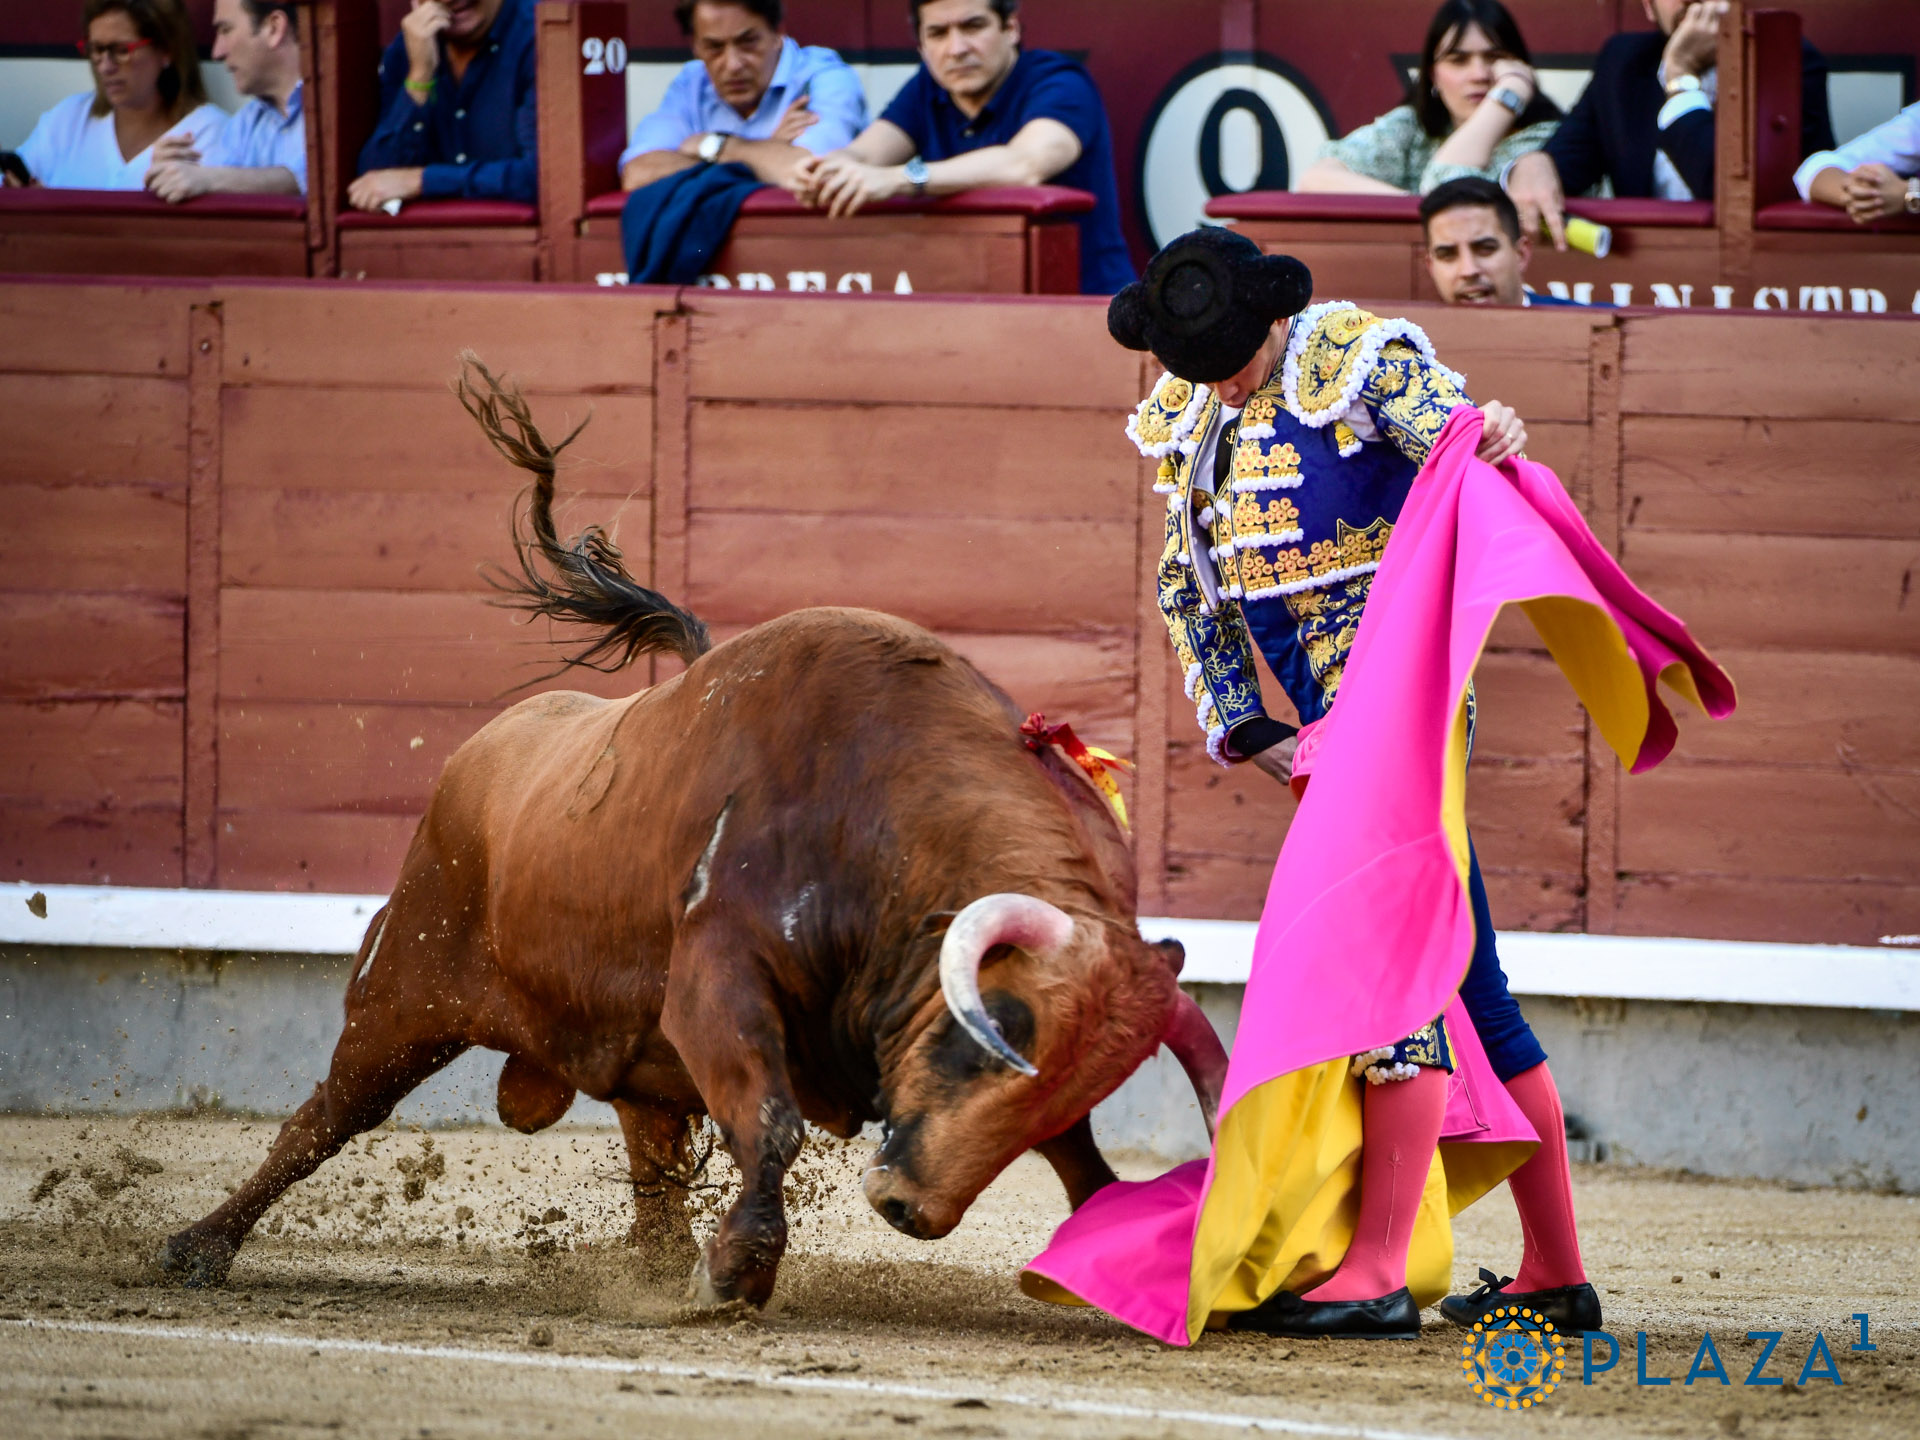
pixel 1207 303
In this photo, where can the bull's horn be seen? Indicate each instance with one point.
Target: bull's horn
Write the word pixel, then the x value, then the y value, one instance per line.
pixel 1191 1038
pixel 992 920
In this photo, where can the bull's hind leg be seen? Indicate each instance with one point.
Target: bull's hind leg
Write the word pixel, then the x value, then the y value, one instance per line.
pixel 394 1038
pixel 721 1017
pixel 660 1160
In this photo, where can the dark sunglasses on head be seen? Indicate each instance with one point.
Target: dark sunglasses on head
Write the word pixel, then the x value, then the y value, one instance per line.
pixel 119 52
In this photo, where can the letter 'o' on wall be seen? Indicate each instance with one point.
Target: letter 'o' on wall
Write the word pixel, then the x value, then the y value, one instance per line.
pixel 1223 129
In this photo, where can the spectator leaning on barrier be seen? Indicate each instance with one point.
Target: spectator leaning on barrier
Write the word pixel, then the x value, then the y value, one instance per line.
pixel 457 113
pixel 146 85
pixel 1645 123
pixel 1473 106
pixel 262 149
pixel 1872 176
pixel 751 96
pixel 981 111
pixel 1475 251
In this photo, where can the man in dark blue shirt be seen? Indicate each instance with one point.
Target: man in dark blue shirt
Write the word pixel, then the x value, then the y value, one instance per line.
pixel 457 115
pixel 978 112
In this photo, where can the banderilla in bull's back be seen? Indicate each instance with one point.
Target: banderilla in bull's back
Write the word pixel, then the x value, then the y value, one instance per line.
pixel 815 876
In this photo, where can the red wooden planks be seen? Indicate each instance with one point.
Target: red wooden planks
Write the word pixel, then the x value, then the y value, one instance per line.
pixel 1054 467
pixel 147 333
pixel 1041 352
pixel 84 756
pixel 315 437
pixel 1772 476
pixel 410 337
pixel 93 429
pixel 335 758
pixel 1783 592
pixel 90 646
pixel 944 572
pixel 93 538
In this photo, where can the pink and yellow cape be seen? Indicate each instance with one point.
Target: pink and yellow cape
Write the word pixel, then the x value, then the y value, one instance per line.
pixel 1367 931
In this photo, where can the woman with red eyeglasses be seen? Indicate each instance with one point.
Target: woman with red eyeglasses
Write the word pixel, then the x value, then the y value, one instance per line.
pixel 146 83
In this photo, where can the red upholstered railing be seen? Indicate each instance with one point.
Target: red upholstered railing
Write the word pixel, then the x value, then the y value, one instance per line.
pixel 442 213
pixel 1799 215
pixel 1290 205
pixel 1037 202
pixel 41 200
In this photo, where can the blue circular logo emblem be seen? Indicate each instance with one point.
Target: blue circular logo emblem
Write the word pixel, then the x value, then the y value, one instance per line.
pixel 1515 1358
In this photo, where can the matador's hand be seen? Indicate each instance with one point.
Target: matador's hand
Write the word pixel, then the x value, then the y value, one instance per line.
pixel 1277 760
pixel 1503 436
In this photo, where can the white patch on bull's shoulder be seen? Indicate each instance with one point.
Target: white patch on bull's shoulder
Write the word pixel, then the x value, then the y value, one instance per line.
pixel 374 949
pixel 697 886
pixel 790 917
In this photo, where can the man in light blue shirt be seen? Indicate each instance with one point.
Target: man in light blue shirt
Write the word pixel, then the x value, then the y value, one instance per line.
pixel 751 96
pixel 262 150
pixel 1873 176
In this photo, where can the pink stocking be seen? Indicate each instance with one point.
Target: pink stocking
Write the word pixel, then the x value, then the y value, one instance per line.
pixel 1543 1190
pixel 1399 1136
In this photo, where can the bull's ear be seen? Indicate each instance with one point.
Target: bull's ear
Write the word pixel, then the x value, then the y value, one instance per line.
pixel 1173 952
pixel 934 923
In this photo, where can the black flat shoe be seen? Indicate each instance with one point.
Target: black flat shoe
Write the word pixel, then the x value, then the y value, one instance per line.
pixel 1391 1317
pixel 1572 1308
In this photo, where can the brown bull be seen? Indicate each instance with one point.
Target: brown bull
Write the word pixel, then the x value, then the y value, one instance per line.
pixel 767 890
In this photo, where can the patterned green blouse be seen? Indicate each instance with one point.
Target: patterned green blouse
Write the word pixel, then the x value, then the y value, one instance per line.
pixel 1395 149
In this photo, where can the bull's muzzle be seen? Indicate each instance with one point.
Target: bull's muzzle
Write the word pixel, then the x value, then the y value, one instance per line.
pixel 896 1202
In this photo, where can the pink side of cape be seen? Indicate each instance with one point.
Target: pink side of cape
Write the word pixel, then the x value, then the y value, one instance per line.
pixel 1367 932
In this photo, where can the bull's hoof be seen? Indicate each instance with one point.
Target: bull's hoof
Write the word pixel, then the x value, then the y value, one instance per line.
pixel 198 1262
pixel 752 1286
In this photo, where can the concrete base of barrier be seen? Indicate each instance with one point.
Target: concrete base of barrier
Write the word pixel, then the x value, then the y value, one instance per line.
pixel 1789 1093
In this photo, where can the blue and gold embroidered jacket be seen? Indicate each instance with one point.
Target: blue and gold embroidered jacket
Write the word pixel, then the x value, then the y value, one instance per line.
pixel 1283 557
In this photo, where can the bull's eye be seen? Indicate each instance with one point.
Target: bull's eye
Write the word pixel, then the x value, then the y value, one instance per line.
pixel 958 1056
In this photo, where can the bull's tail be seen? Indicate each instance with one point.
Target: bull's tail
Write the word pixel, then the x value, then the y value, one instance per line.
pixel 581 581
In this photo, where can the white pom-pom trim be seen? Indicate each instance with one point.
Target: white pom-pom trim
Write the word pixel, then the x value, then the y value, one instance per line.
pixel 1193 680
pixel 1267 482
pixel 1314 582
pixel 1217 745
pixel 1276 537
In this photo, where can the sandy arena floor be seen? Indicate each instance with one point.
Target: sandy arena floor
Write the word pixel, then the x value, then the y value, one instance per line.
pixel 500 1301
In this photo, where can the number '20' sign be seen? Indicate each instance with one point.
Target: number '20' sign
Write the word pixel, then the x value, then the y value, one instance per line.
pixel 603 57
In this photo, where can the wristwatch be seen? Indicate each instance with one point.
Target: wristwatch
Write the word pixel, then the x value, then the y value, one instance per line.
pixel 916 172
pixel 1509 98
pixel 1913 196
pixel 711 145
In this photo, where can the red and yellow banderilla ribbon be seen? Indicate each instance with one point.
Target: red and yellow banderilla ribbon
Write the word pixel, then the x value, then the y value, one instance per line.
pixel 1090 758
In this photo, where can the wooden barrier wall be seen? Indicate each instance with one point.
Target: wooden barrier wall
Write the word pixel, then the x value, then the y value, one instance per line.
pixel 243 624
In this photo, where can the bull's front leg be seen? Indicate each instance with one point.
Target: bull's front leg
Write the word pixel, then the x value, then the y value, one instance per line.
pixel 722 1019
pixel 1082 1169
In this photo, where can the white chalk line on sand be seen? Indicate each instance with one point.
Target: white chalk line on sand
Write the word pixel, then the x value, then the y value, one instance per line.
pixel 771 1379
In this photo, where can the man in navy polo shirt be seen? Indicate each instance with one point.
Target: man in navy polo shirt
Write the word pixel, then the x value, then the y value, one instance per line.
pixel 457 113
pixel 981 111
